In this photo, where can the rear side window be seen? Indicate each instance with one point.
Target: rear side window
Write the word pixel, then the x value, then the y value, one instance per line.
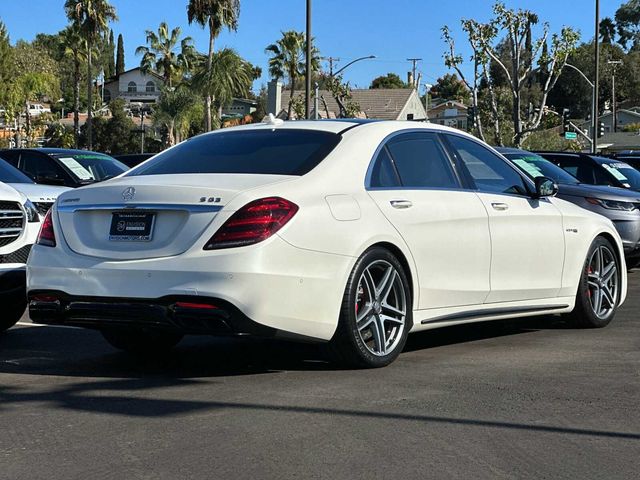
pixel 417 159
pixel 274 152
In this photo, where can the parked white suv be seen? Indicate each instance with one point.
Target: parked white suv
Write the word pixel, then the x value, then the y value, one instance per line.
pixel 36 109
pixel 42 196
pixel 19 225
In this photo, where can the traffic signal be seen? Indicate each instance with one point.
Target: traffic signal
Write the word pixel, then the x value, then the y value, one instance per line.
pixel 566 123
pixel 600 129
pixel 471 118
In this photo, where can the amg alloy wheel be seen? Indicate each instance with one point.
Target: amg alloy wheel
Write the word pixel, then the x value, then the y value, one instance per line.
pixel 376 312
pixel 599 288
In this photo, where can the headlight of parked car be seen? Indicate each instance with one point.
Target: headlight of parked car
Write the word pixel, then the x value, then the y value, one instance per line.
pixel 32 212
pixel 613 204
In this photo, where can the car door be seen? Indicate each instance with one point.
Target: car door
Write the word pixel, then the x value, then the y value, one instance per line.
pixel 527 236
pixel 414 183
pixel 43 169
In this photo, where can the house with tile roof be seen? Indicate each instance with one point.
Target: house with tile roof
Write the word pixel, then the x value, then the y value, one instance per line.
pixel 450 113
pixel 382 104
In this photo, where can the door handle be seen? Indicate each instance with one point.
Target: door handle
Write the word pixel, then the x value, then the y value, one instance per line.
pixel 401 203
pixel 500 206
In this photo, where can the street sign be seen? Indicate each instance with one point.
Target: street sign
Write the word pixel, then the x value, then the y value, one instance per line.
pixel 570 135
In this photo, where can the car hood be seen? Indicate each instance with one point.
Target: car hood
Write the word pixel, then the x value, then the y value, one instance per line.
pixel 40 193
pixel 599 191
pixel 10 194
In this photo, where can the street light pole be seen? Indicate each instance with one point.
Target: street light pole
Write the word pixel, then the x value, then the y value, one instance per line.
pixel 307 93
pixel 615 64
pixel 596 82
pixel 351 63
pixel 593 100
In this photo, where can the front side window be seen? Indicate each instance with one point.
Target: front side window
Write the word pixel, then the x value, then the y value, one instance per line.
pixel 40 167
pixel 284 151
pixel 489 172
pixel 421 162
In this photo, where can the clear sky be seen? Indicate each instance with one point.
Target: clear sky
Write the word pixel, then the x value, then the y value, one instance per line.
pixel 391 30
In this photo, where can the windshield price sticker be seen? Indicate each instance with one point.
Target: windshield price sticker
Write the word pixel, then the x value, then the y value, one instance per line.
pixel 78 170
pixel 613 169
pixel 528 167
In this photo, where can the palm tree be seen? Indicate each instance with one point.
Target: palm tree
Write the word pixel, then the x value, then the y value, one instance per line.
pixel 230 75
pixel 76 48
pixel 173 111
pixel 288 60
pixel 91 18
pixel 161 54
pixel 217 14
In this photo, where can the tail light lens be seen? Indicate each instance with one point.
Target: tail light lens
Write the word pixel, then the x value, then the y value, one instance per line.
pixel 253 223
pixel 47 236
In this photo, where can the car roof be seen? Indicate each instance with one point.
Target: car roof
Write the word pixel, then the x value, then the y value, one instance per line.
pixel 511 150
pixel 55 151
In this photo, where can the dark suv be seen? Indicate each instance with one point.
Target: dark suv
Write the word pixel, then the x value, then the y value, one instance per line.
pixel 595 170
pixel 59 166
pixel 620 205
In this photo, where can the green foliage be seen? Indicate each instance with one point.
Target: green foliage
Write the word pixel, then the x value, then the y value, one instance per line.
pixel 450 87
pixel 6 64
pixel 288 60
pixel 628 24
pixel 161 54
pixel 91 16
pixel 631 127
pixel 59 136
pixel 341 92
pixel 217 14
pixel 120 56
pixel 114 135
pixel 230 76
pixel 390 80
pixel 550 140
pixel 176 110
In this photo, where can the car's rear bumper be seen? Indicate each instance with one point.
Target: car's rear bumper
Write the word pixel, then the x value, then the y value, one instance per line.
pixel 186 315
pixel 278 286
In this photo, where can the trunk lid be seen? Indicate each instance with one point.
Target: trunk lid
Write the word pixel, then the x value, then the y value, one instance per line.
pixel 176 208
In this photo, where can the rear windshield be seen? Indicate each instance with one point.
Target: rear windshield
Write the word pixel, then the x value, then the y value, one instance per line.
pixel 269 152
pixel 10 174
pixel 91 167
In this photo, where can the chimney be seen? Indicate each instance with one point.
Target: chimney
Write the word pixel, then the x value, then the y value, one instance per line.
pixel 274 97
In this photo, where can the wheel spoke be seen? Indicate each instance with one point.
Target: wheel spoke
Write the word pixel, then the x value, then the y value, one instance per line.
pixel 369 284
pixel 389 308
pixel 383 288
pixel 609 272
pixel 600 260
pixel 606 295
pixel 597 301
pixel 366 311
pixel 377 329
pixel 364 323
pixel 387 318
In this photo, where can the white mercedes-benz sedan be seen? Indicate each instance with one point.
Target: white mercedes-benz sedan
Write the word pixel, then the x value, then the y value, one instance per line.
pixel 349 232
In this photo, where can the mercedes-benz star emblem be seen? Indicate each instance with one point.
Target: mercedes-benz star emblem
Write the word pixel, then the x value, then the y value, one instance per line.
pixel 128 194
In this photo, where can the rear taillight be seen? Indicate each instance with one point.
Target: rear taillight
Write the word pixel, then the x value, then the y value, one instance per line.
pixel 47 237
pixel 253 223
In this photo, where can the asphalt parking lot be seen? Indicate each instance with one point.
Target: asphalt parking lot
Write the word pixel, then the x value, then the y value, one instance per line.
pixel 530 399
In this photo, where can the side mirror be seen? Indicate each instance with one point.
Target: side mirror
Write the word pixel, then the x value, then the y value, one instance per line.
pixel 545 187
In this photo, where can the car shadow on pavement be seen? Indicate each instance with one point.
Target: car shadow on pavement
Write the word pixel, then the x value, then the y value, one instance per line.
pixel 84 353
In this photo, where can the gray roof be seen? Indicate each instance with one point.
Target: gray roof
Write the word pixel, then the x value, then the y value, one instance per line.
pixel 619 140
pixel 379 103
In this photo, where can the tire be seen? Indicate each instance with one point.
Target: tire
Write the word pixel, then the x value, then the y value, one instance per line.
pixel 384 317
pixel 599 288
pixel 12 311
pixel 140 342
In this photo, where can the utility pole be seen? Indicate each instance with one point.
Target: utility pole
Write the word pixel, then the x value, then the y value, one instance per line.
pixel 414 61
pixel 331 60
pixel 596 80
pixel 307 93
pixel 615 64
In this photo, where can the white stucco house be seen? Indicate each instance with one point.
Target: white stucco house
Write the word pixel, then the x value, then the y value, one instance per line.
pixel 134 86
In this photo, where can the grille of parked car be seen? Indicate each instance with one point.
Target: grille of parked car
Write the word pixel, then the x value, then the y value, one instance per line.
pixel 19 256
pixel 43 207
pixel 11 222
